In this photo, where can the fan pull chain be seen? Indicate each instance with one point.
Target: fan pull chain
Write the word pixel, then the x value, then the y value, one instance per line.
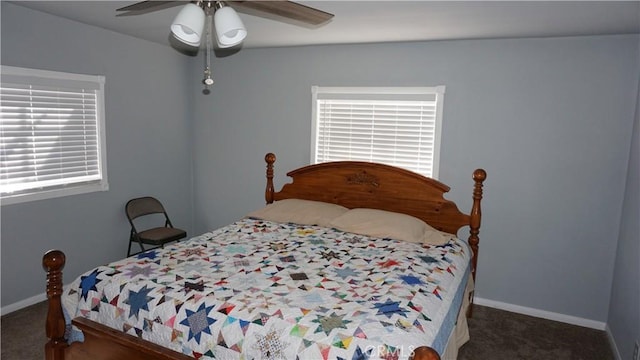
pixel 208 81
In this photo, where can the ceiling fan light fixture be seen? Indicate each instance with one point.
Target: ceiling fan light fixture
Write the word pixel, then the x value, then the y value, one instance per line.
pixel 189 24
pixel 230 30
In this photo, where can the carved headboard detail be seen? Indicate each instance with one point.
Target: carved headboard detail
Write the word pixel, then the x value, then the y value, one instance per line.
pixel 363 178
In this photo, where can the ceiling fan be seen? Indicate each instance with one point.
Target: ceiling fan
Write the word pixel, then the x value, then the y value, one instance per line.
pixel 191 17
pixel 189 25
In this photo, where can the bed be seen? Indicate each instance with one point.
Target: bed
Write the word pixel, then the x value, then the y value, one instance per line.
pixel 282 289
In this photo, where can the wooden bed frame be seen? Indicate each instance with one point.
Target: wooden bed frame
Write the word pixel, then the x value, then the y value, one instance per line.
pixel 347 183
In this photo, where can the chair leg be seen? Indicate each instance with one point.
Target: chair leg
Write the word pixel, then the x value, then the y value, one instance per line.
pixel 129 250
pixel 130 241
pixel 132 238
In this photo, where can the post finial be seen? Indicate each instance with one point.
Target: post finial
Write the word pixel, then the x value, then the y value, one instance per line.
pixel 270 158
pixel 53 260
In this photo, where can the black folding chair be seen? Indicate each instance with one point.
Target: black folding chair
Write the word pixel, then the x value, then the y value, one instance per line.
pixel 156 236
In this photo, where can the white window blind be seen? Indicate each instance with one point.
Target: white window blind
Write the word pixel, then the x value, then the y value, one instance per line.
pixel 396 126
pixel 51 134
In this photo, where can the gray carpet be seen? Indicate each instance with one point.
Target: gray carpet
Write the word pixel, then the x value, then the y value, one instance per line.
pixel 23 333
pixel 503 335
pixel 495 335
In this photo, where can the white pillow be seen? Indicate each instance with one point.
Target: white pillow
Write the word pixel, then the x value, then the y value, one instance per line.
pixel 299 211
pixel 387 224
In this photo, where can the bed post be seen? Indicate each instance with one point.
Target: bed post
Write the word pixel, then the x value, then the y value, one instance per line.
pixel 270 158
pixel 479 175
pixel 53 263
pixel 424 353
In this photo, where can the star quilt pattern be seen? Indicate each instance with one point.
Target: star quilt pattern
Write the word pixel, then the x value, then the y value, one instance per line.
pixel 265 290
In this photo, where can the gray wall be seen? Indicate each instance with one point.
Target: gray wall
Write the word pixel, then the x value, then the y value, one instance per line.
pixel 549 119
pixel 148 147
pixel 624 309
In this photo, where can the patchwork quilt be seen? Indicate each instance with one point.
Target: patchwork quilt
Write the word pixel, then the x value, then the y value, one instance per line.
pixel 265 290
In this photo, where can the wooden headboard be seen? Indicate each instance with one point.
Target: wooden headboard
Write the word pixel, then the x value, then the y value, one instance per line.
pixel 355 184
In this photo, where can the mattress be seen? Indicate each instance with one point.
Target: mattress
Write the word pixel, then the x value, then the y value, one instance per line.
pixel 257 289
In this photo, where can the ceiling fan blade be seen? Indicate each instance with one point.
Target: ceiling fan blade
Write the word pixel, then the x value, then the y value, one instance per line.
pixel 287 9
pixel 282 8
pixel 151 5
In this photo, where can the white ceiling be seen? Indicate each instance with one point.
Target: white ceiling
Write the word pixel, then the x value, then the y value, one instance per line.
pixel 365 21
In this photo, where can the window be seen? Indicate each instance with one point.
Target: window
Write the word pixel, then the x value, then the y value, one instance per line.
pixel 51 134
pixel 398 126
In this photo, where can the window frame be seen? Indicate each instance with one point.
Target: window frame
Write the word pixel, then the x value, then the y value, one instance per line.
pixel 29 76
pixel 393 92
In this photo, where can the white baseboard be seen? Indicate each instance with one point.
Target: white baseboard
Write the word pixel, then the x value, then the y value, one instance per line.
pixel 574 320
pixel 612 343
pixel 23 303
